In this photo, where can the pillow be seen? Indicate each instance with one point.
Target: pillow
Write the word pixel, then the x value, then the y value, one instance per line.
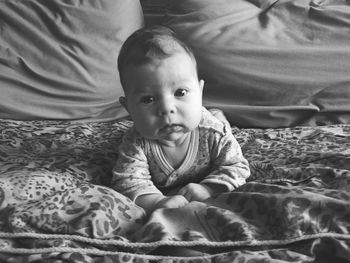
pixel 270 63
pixel 58 58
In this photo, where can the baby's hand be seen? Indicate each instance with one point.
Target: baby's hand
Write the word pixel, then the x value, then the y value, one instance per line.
pixel 171 202
pixel 195 192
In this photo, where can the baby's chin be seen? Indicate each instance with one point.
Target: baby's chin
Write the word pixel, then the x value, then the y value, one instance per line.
pixel 171 133
pixel 173 139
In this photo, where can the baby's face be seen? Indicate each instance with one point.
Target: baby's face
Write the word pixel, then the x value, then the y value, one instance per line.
pixel 164 97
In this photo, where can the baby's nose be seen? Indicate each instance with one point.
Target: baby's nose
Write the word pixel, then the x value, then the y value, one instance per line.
pixel 166 107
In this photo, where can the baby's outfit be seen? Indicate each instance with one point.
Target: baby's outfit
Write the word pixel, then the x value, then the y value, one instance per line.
pixel 213 157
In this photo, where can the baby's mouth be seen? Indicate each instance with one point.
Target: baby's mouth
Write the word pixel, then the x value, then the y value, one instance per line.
pixel 171 128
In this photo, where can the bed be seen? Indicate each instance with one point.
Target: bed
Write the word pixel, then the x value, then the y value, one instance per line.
pixel 280 70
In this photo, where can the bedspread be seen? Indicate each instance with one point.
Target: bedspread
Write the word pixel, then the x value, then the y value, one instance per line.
pixel 56 206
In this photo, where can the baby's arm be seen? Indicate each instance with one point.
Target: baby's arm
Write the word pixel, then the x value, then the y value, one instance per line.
pixel 131 177
pixel 150 202
pixel 229 169
pixel 200 192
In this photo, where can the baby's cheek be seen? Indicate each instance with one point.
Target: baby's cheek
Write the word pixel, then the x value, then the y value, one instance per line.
pixel 145 127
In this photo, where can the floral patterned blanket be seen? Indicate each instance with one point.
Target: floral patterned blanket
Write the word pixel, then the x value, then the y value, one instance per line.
pixel 55 204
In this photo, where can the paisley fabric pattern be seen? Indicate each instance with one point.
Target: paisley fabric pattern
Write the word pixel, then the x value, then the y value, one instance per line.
pixel 56 204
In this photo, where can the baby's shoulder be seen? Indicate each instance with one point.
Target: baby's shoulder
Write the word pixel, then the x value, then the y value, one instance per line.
pixel 131 136
pixel 210 124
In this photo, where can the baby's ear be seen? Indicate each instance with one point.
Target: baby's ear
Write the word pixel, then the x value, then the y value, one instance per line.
pixel 201 84
pixel 122 101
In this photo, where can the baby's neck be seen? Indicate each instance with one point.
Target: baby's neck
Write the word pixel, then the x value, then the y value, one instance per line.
pixel 174 144
pixel 175 152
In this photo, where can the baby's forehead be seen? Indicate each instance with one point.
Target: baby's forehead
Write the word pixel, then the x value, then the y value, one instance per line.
pixel 174 70
pixel 146 86
pixel 149 86
pixel 138 65
pixel 138 58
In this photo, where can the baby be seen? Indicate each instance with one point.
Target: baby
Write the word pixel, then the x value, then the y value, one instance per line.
pixel 177 151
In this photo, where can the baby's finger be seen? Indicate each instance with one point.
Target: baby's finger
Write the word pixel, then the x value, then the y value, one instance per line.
pixel 182 191
pixel 184 202
pixel 188 195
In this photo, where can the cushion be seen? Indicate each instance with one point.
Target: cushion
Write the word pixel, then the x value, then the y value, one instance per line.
pixel 58 58
pixel 270 63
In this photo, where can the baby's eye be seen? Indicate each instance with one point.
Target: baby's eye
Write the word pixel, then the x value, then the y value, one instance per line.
pixel 147 99
pixel 180 92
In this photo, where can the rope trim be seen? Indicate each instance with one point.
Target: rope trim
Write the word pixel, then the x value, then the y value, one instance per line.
pixel 128 244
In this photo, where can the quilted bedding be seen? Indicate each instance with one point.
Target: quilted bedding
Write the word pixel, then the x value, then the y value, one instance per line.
pixel 55 204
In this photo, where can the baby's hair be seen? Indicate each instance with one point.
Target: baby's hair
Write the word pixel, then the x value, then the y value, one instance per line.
pixel 148 44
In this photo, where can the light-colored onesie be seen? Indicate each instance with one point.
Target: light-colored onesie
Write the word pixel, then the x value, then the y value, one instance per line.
pixel 214 156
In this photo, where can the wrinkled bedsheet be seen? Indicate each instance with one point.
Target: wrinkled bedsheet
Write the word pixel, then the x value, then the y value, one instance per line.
pixel 55 204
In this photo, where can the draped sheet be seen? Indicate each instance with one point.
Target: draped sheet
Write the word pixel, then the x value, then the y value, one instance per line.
pixel 270 63
pixel 55 203
pixel 58 57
